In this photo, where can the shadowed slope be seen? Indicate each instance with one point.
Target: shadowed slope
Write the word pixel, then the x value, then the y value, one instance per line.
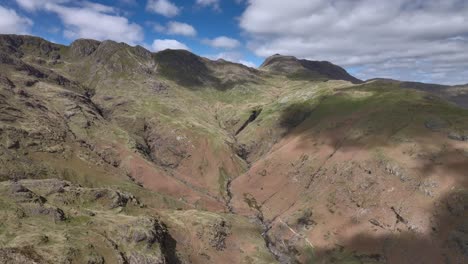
pixel 305 69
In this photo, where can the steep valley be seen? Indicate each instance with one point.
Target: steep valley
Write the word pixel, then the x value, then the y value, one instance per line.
pixel 112 154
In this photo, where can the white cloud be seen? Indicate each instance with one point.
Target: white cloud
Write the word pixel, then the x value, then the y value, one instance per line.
pixel 163 7
pixel 99 7
pixel 176 28
pixel 223 42
pixel 33 5
pixel 212 3
pixel 12 23
pixel 86 19
pixel 162 44
pixel 364 33
pixel 88 22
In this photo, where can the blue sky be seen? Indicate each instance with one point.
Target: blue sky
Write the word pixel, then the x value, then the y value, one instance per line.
pixel 209 19
pixel 415 40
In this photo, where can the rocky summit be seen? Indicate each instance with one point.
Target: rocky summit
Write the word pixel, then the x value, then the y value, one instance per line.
pixel 113 154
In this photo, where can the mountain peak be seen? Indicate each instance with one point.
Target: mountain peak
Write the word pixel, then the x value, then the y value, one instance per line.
pixel 305 69
pixel 84 47
pixel 18 45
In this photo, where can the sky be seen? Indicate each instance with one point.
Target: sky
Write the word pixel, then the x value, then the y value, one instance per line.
pixel 413 40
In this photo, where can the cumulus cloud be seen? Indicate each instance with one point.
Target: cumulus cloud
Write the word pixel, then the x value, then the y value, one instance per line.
pixel 176 28
pixel 162 44
pixel 366 34
pixel 223 42
pixel 86 19
pixel 12 23
pixel 89 23
pixel 163 7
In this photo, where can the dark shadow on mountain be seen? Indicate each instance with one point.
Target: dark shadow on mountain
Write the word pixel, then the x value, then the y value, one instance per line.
pixel 293 115
pixel 169 246
pixel 447 241
pixel 370 119
pixel 185 68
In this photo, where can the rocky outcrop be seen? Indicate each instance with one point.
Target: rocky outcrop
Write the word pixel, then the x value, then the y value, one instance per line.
pixel 83 47
pixel 45 203
pixel 458 136
pixel 20 45
pixel 165 149
pixel 218 234
pixel 19 256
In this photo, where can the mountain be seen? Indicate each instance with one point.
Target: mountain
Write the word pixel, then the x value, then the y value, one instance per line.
pixel 113 154
pixel 305 69
pixel 457 94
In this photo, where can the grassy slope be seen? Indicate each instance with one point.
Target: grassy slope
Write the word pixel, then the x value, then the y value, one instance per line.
pixel 331 141
pixel 207 117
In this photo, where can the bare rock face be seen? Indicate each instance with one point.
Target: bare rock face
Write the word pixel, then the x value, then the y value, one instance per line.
pixel 23 195
pixel 166 149
pixel 458 136
pixel 99 197
pixel 56 214
pixel 83 47
pixel 142 52
pixel 215 234
pixel 147 232
pixel 15 44
pixel 218 234
pixel 19 256
pixel 132 239
pixel 4 81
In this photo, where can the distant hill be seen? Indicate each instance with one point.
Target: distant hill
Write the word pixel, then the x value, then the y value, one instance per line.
pixel 306 69
pixel 457 94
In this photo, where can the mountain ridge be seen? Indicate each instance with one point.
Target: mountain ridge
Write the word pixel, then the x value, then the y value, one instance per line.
pixel 113 154
pixel 90 45
pixel 306 69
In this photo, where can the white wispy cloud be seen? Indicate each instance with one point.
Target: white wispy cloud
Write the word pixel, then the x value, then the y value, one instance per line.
pixel 86 19
pixel 223 42
pixel 34 5
pixel 364 33
pixel 163 7
pixel 12 23
pixel 176 28
pixel 162 44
